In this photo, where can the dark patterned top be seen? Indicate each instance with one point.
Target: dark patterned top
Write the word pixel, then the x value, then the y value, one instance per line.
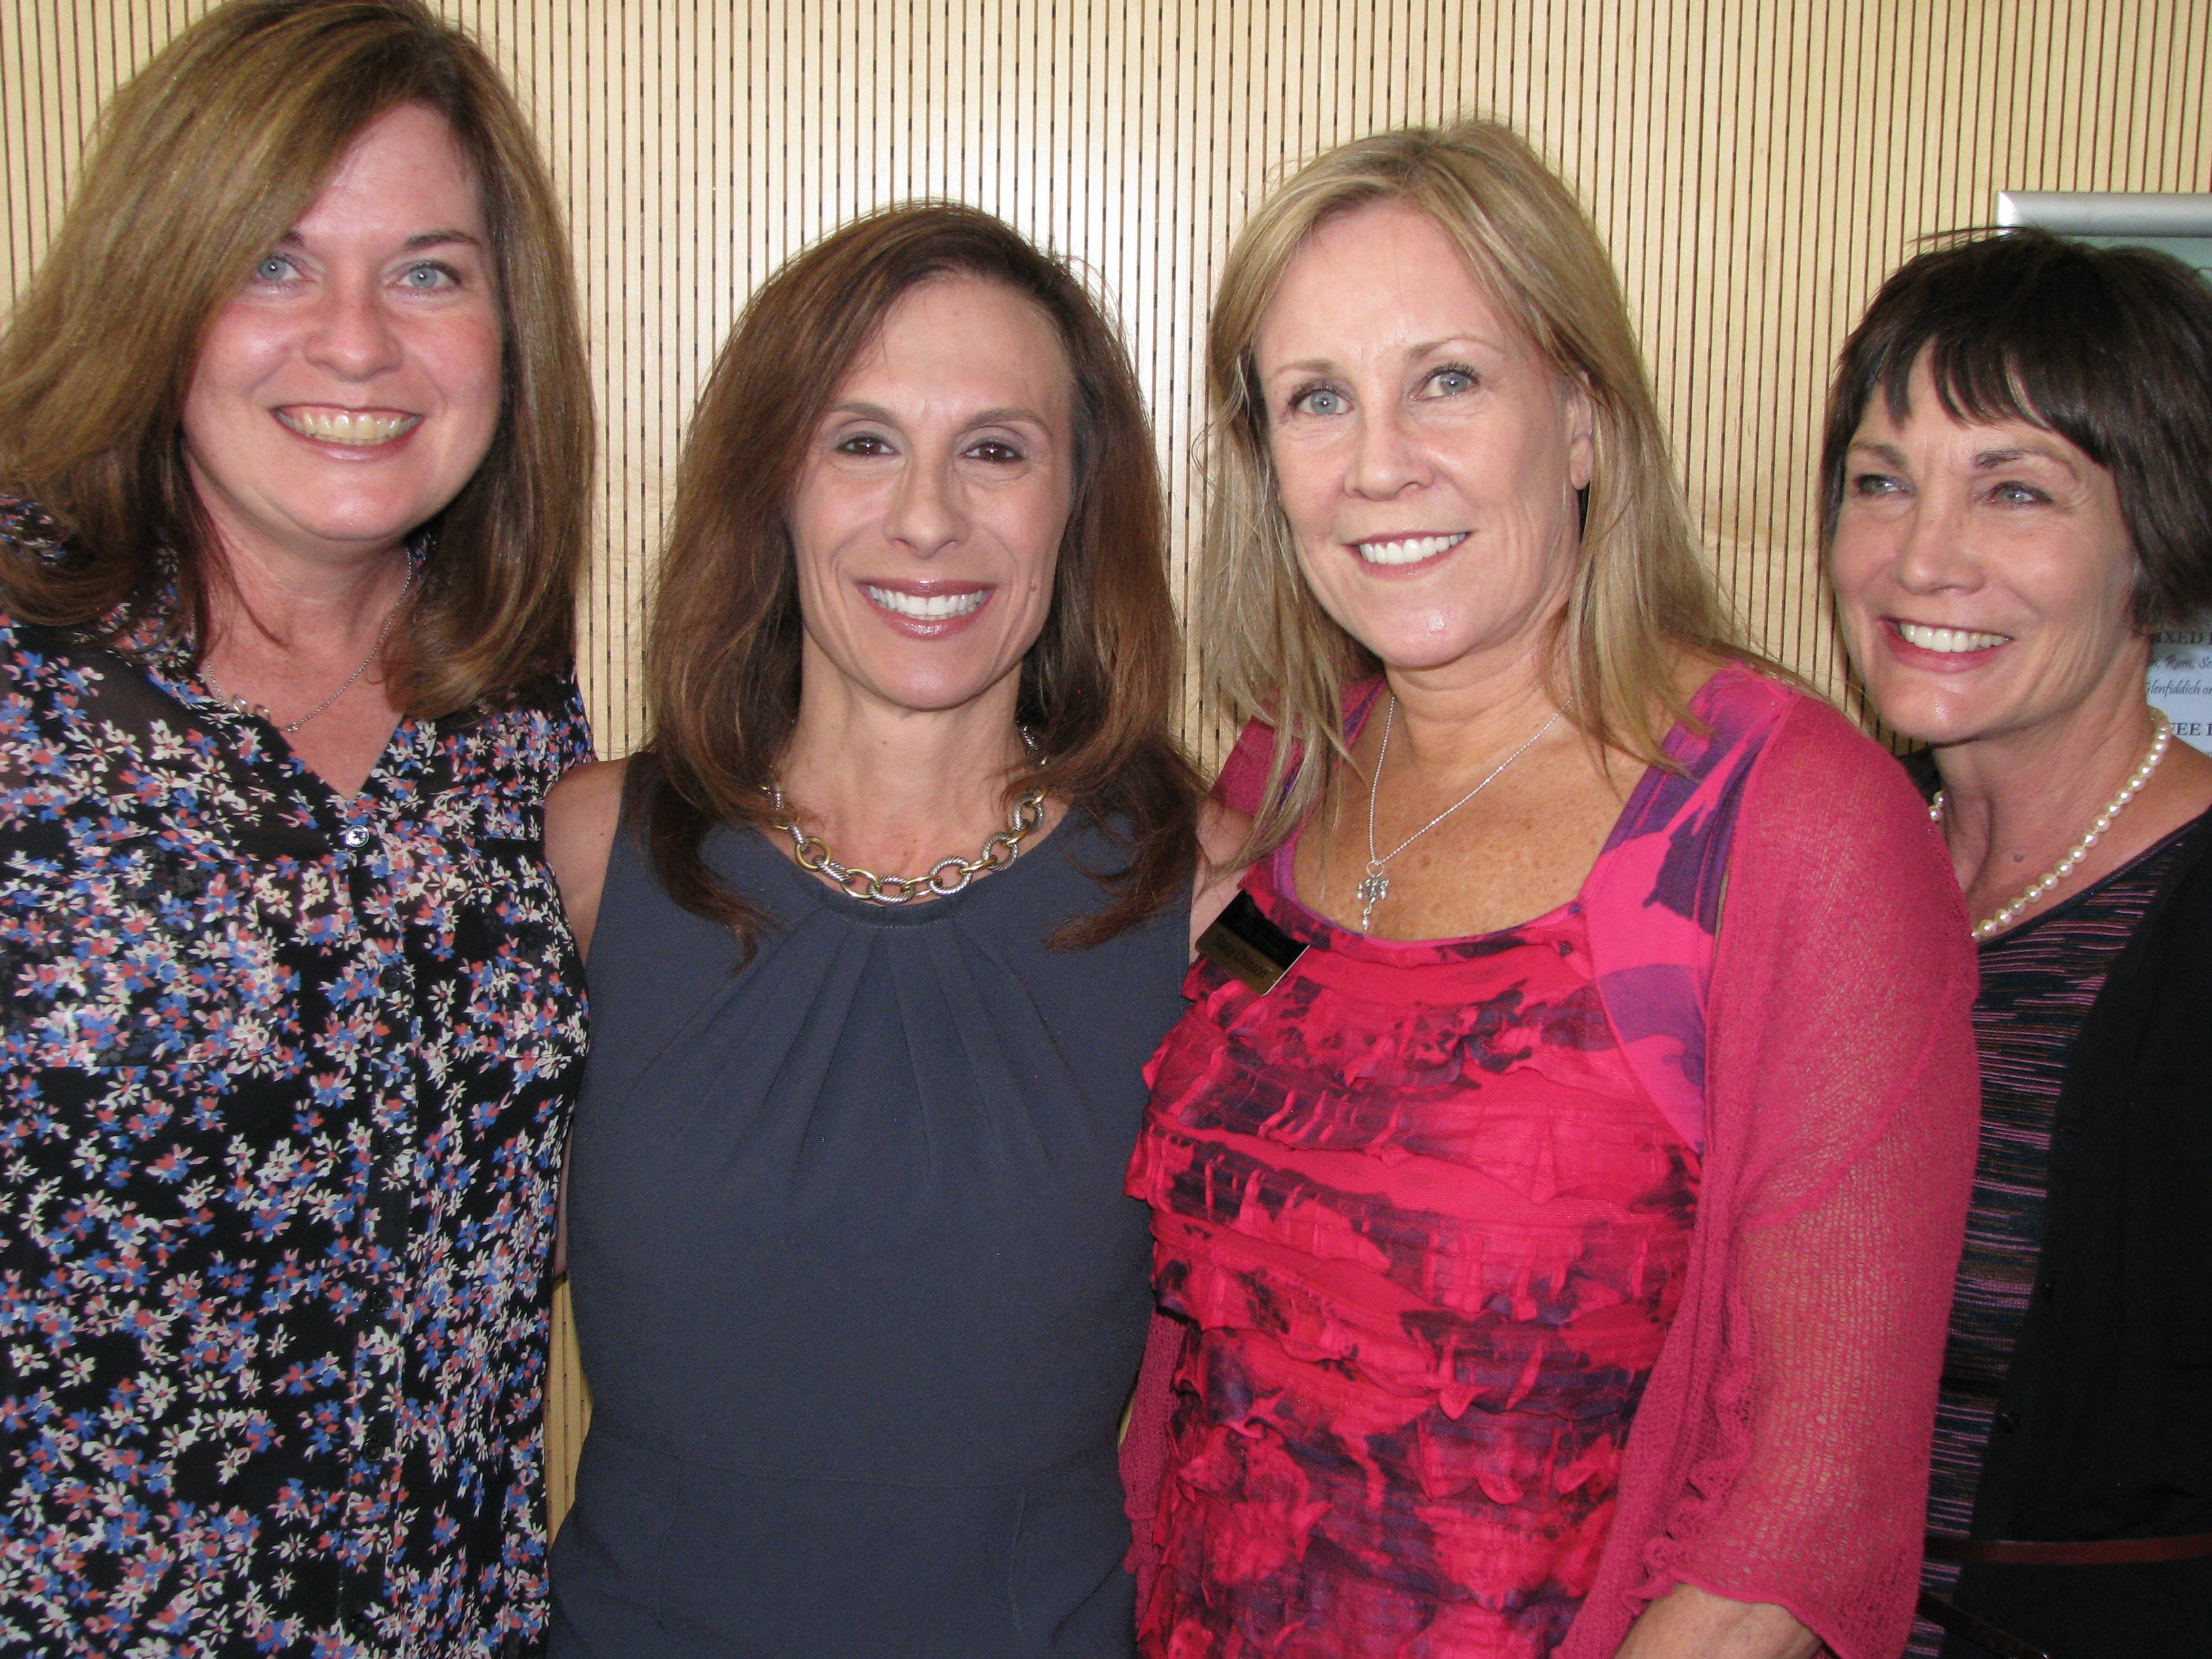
pixel 283 1081
pixel 2039 981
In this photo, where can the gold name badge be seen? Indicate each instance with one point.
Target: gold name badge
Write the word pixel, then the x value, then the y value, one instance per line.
pixel 1243 944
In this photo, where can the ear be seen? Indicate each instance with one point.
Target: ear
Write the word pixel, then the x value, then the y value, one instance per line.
pixel 1578 417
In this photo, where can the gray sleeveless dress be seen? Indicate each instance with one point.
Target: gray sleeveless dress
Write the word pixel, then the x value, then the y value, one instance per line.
pixel 860 1295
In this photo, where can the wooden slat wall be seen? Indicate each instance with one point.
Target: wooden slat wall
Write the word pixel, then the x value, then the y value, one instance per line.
pixel 1755 165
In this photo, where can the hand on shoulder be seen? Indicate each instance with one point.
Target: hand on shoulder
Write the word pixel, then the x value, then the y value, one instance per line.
pixel 581 811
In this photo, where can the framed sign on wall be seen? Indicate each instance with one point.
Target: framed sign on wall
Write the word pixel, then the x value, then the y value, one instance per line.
pixel 2180 224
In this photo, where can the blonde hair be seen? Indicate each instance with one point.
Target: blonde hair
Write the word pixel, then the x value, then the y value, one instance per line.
pixel 1641 598
pixel 201 163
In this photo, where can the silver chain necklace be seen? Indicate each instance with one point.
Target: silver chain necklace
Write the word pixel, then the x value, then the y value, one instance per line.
pixel 1000 848
pixel 1377 886
pixel 244 706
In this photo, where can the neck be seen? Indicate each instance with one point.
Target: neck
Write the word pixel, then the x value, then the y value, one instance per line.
pixel 302 609
pixel 1468 713
pixel 896 789
pixel 2015 804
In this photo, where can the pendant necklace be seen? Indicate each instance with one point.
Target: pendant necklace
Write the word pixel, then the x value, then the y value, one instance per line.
pixel 1991 925
pixel 1377 886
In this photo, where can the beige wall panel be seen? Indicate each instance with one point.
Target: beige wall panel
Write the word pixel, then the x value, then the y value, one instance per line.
pixel 1755 166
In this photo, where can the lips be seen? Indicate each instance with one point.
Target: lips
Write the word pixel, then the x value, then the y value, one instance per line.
pixel 927 607
pixel 1949 642
pixel 1407 549
pixel 357 429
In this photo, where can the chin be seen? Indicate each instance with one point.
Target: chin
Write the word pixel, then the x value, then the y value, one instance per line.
pixel 933 692
pixel 1932 720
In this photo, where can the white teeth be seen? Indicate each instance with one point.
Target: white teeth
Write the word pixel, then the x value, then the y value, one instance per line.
pixel 1948 638
pixel 1411 550
pixel 933 607
pixel 348 426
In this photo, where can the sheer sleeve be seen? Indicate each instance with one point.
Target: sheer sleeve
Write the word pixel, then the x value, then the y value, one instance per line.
pixel 1844 1097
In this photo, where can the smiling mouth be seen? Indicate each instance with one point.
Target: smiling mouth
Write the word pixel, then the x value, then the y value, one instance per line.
pixel 361 429
pixel 1407 550
pixel 1950 640
pixel 926 607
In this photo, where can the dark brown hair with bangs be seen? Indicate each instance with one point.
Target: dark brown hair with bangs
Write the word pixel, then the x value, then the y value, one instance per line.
pixel 200 164
pixel 2111 348
pixel 722 653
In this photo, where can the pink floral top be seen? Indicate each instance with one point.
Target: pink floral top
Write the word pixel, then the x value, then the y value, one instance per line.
pixel 1428 1207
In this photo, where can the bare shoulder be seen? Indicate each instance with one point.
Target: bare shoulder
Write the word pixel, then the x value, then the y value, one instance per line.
pixel 581 811
pixel 1221 831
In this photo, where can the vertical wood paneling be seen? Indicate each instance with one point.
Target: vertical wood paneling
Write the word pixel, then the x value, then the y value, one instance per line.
pixel 1755 165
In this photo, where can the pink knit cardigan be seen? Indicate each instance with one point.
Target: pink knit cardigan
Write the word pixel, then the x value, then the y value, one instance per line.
pixel 1780 1453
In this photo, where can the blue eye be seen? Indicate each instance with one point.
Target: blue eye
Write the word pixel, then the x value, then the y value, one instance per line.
pixel 430 277
pixel 1320 400
pixel 273 268
pixel 2013 493
pixel 1449 382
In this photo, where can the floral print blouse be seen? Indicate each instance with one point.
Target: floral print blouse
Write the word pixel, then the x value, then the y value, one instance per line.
pixel 283 1082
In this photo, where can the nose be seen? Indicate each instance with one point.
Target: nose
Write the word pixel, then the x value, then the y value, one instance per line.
pixel 926 516
pixel 1386 458
pixel 1933 556
pixel 352 333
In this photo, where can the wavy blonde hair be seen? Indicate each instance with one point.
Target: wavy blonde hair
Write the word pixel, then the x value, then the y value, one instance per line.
pixel 1642 597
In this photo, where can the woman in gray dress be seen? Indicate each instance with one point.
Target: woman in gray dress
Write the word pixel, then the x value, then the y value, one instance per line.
pixel 858 1293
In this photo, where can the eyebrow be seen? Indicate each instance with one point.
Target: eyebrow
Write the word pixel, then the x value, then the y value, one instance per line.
pixel 2011 452
pixel 1004 415
pixel 1889 453
pixel 420 239
pixel 1984 460
pixel 1419 348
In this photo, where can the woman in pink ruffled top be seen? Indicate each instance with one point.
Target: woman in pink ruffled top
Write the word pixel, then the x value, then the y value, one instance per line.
pixel 1557 1176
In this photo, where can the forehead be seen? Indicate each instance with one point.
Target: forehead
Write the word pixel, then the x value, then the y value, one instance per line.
pixel 962 340
pixel 1384 273
pixel 405 169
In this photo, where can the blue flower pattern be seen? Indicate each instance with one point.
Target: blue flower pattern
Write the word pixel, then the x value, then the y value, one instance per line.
pixel 284 1079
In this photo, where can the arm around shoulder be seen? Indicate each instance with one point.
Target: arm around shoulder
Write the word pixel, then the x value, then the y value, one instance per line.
pixel 581 811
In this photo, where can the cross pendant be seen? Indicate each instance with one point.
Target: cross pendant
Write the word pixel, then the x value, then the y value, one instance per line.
pixel 1372 893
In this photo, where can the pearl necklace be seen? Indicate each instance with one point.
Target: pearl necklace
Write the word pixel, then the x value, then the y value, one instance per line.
pixel 1989 927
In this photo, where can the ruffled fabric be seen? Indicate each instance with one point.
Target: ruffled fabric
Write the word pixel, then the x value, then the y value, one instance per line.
pixel 1431 1232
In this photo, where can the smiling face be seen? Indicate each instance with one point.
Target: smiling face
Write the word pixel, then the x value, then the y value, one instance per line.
pixel 926 518
pixel 1984 574
pixel 1427 455
pixel 350 390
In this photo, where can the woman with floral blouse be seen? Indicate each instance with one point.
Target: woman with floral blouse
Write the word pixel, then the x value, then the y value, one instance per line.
pixel 294 444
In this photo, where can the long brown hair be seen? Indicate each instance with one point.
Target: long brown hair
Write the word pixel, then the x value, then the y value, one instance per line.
pixel 200 164
pixel 1642 595
pixel 722 655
